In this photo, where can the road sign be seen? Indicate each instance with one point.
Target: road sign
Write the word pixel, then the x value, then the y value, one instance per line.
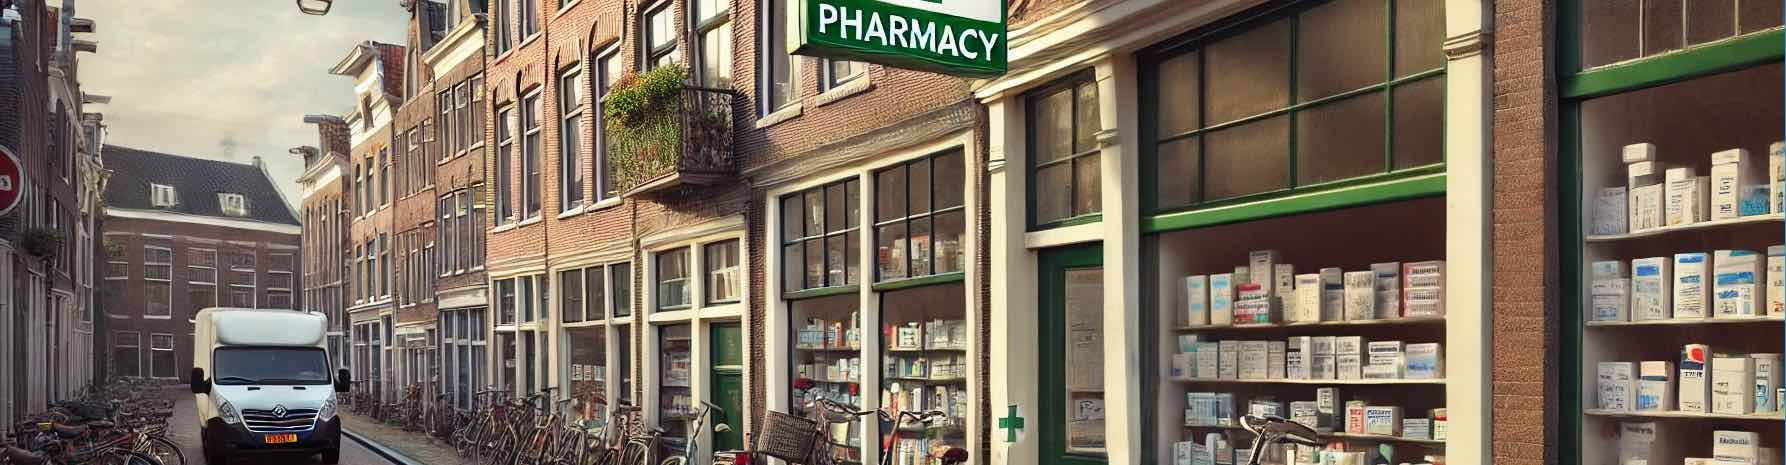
pixel 12 180
pixel 956 37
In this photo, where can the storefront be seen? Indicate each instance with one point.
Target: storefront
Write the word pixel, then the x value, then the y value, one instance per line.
pixel 1671 217
pixel 463 344
pixel 692 335
pixel 870 268
pixel 1242 207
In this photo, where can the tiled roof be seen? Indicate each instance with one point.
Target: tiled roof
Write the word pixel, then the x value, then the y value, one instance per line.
pixel 391 57
pixel 196 183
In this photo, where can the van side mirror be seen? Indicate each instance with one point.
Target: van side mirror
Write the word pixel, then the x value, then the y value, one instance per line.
pixel 200 385
pixel 343 380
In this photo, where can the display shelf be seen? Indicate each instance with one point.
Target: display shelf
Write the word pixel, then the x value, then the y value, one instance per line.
pixel 1354 436
pixel 832 381
pixel 1315 324
pixel 1688 415
pixel 936 349
pixel 828 349
pixel 1440 382
pixel 1691 322
pixel 928 380
pixel 1700 226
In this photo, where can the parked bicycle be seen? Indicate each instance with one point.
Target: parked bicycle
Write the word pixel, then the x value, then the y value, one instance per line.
pixel 694 434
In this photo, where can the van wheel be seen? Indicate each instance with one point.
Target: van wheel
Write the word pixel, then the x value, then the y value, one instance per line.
pixel 331 456
pixel 215 459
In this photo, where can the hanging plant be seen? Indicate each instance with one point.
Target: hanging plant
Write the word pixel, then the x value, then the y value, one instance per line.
pixel 40 242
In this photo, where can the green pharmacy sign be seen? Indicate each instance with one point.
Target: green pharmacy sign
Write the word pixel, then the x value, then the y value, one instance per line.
pixel 957 37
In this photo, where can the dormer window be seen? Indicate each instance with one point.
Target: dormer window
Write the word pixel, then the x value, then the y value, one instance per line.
pixel 162 195
pixel 233 204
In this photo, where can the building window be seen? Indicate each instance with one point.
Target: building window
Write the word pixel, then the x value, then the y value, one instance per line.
pixel 782 78
pixel 919 220
pixel 418 152
pixel 660 35
pixel 161 356
pixel 505 141
pixel 820 236
pixel 471 238
pixel 241 279
pixel 201 278
pixel 158 286
pixel 233 204
pixel 724 282
pixel 570 129
pixel 672 279
pixel 447 230
pixel 530 18
pixel 126 357
pixel 570 296
pixel 384 176
pixel 279 280
pixel 621 274
pixel 1063 123
pixel 505 302
pixel 713 26
pixel 452 132
pixel 838 72
pixel 608 66
pixel 471 103
pixel 384 265
pixel 530 155
pixel 162 195
pixel 503 40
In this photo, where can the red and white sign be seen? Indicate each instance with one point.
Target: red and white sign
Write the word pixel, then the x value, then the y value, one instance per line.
pixel 12 181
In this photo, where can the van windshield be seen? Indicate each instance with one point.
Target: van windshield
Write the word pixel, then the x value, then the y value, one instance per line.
pixel 270 365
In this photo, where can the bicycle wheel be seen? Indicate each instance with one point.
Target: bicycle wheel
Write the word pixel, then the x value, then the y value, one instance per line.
pixel 677 460
pixel 163 450
pixel 636 453
pixel 125 457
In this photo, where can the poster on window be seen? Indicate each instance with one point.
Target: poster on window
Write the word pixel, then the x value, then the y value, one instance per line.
pixel 1085 329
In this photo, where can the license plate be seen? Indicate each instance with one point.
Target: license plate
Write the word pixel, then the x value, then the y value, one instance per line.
pixel 282 438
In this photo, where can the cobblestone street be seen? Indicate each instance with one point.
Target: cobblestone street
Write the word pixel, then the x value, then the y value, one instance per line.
pixel 183 430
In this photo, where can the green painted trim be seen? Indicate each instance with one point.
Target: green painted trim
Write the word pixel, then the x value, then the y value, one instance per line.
pixel 1716 57
pixel 1399 186
pixel 905 283
pixel 1087 218
pixel 1570 402
pixel 1051 321
pixel 821 292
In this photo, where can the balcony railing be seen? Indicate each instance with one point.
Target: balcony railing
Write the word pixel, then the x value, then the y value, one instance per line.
pixel 684 140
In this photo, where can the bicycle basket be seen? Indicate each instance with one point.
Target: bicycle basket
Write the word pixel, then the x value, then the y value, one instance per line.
pixel 788 437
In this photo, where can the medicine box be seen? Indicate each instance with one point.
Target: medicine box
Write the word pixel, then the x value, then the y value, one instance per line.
pixel 1221 299
pixel 1638 152
pixel 1767 382
pixel 1776 177
pixel 1776 280
pixel 1736 278
pixel 1308 299
pixel 1643 173
pixel 1382 371
pixel 1389 289
pixel 1283 275
pixel 1423 289
pixel 1305 413
pixel 1242 275
pixel 1383 420
pixel 1348 366
pixel 1274 368
pixel 1741 446
pixel 1685 200
pixel 1229 365
pixel 1327 405
pixel 1254 357
pixel 1322 367
pixel 1617 386
pixel 1733 384
pixel 1261 264
pixel 1361 295
pixel 1692 294
pixel 1355 416
pixel 1344 345
pixel 1732 172
pixel 1333 294
pixel 1425 361
pixel 1651 295
pixel 1609 291
pixel 1610 211
pixel 1636 442
pixel 1419 429
pixel 1646 207
pixel 1655 386
pixel 1196 291
pixel 1694 380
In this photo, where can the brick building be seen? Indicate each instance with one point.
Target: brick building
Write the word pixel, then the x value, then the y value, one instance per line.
pixel 455 66
pixel 377 70
pixel 46 255
pixel 415 149
pixel 183 234
pixel 326 219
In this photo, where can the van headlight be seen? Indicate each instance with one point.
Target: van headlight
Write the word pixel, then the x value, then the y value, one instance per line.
pixel 327 411
pixel 227 413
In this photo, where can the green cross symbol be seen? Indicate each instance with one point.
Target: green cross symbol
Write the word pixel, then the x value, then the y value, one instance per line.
pixel 1011 424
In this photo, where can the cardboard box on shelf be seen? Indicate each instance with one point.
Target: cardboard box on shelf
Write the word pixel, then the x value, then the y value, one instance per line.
pixel 1736 278
pixel 1274 368
pixel 1636 441
pixel 1355 416
pixel 1655 386
pixel 1638 152
pixel 1685 200
pixel 1229 366
pixel 1741 446
pixel 1419 429
pixel 1361 295
pixel 1732 173
pixel 1695 379
pixel 1209 360
pixel 1646 207
pixel 1776 177
pixel 1425 361
pixel 1767 382
pixel 1196 291
pixel 1383 420
pixel 1348 366
pixel 1308 300
pixel 1333 294
pixel 1327 406
pixel 1221 299
pixel 1388 289
pixel 1423 289
pixel 1617 385
pixel 1611 211
pixel 1776 280
pixel 1254 360
pixel 1692 289
pixel 1651 293
pixel 1262 264
pixel 1733 385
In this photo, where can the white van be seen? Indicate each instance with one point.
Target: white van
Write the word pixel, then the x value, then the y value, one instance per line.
pixel 263 384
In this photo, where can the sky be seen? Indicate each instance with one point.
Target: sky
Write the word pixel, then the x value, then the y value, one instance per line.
pixel 226 79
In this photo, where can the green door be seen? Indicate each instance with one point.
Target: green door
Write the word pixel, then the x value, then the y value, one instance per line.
pixel 1072 356
pixel 728 385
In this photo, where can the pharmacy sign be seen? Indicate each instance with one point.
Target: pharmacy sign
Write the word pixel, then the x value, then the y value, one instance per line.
pixel 956 37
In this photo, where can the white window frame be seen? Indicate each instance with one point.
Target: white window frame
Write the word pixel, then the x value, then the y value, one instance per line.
pixel 233 204
pixel 537 97
pixel 136 347
pixel 190 283
pixel 169 281
pixel 253 284
pixel 163 195
pixel 567 156
pixel 171 344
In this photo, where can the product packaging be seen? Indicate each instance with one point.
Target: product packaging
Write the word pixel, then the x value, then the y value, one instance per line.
pixel 1617 385
pixel 1209 360
pixel 1767 382
pixel 1196 291
pixel 1221 299
pixel 1355 416
pixel 1254 356
pixel 1646 208
pixel 1736 277
pixel 1229 365
pixel 1327 407
pixel 1440 420
pixel 1425 361
pixel 1610 211
pixel 1333 294
pixel 1348 366
pixel 1636 442
pixel 1685 199
pixel 1695 379
pixel 1651 294
pixel 1262 264
pixel 1776 280
pixel 1609 291
pixel 1383 420
pixel 1419 429
pixel 1655 386
pixel 1296 359
pixel 1389 290
pixel 1739 446
pixel 1308 300
pixel 1274 363
pixel 1385 359
pixel 1732 173
pixel 1639 152
pixel 1733 385
pixel 1776 177
pixel 1361 295
pixel 1423 289
pixel 1691 290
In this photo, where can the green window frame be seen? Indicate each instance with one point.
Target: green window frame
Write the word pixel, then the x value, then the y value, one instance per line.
pixel 1081 151
pixel 910 200
pixel 827 237
pixel 1404 71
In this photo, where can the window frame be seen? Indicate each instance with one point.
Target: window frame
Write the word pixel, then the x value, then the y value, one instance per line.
pixel 708 273
pixel 930 214
pixel 659 282
pixel 504 162
pixel 1031 99
pixel 532 138
pixel 166 281
pixel 832 80
pixel 710 24
pixel 768 19
pixel 503 36
pixel 603 178
pixel 171 346
pixel 572 183
pixel 163 195
pixel 852 224
pixel 136 350
pixel 650 53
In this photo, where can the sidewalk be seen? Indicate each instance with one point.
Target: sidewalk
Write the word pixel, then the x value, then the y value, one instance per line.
pixel 417 446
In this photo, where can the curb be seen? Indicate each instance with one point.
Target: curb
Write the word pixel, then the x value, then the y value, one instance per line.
pixel 388 453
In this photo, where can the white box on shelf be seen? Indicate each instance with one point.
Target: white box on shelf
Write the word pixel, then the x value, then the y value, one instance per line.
pixel 1732 172
pixel 1333 294
pixel 1741 446
pixel 1361 295
pixel 1307 413
pixel 1353 345
pixel 1296 357
pixel 1383 371
pixel 1776 280
pixel 1644 173
pixel 1638 152
pixel 1283 275
pixel 1611 211
pixel 1323 345
pixel 1229 366
pixel 1348 366
pixel 1776 177
pixel 1692 293
pixel 1388 289
pixel 1221 299
pixel 1695 379
pixel 1733 384
pixel 1736 278
pixel 1322 367
pixel 1423 289
pixel 1655 386
pixel 1254 359
pixel 1636 442
pixel 1651 294
pixel 1355 416
pixel 1274 368
pixel 1242 275
pixel 1383 420
pixel 1262 264
pixel 1308 299
pixel 1327 405
pixel 1196 292
pixel 1426 360
pixel 1617 386
pixel 1767 382
pixel 1418 429
pixel 1646 207
pixel 1609 291
pixel 1685 200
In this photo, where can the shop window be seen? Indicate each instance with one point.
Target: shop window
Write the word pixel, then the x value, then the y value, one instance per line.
pixel 505 353
pixel 1063 127
pixel 622 296
pixel 724 279
pixel 587 346
pixel 660 36
pixel 713 26
pixel 570 296
pixel 1285 103
pixel 675 401
pixel 820 234
pixel 1618 32
pixel 827 363
pixel 925 356
pixel 673 289
pixel 1081 333
pixel 919 218
pixel 623 357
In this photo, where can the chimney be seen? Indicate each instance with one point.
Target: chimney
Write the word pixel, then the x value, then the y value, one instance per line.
pixel 256 162
pixel 333 135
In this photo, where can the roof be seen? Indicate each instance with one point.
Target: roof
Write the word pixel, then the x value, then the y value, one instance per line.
pixel 196 181
pixel 392 61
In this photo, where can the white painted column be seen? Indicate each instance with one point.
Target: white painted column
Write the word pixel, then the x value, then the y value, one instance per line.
pixel 1121 227
pixel 1469 191
pixel 1014 364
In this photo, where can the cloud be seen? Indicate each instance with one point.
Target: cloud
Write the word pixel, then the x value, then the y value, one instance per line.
pixel 226 79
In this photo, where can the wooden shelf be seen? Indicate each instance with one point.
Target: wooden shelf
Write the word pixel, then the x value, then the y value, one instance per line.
pixel 827 349
pixel 1700 226
pixel 1692 321
pixel 1307 324
pixel 1776 416
pixel 1309 381
pixel 936 349
pixel 928 380
pixel 1337 435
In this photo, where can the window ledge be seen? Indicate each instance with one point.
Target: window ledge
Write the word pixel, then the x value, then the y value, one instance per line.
pixel 530 40
pixel 529 221
pixel 784 114
pixel 573 212
pixel 153 317
pixel 505 227
pixel 564 8
pixel 842 91
pixel 604 204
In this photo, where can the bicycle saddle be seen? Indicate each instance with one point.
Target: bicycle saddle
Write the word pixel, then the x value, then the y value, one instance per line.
pixel 1272 428
pixel 18 456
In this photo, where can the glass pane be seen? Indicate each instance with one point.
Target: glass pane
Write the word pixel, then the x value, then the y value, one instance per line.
pixel 1709 20
pixel 926 364
pixel 570 300
pixel 1248 74
pixel 588 369
pixel 1419 36
pixel 815 212
pixel 951 234
pixel 1087 191
pixel 623 356
pixel 790 218
pixel 852 201
pixel 595 293
pixel 1340 48
pixel 1085 118
pixel 889 188
pixel 815 263
pixel 1246 159
pixel 1178 176
pixel 622 278
pixel 1758 15
pixel 1340 140
pixel 918 186
pixel 675 400
pixel 947 183
pixel 793 256
pixel 723 280
pixel 1053 120
pixel 1178 99
pixel 834 217
pixel 1420 123
pixel 920 246
pixel 852 258
pixel 1084 361
pixel 827 364
pixel 1054 192
pixel 1661 26
pixel 1609 32
pixel 835 255
pixel 890 252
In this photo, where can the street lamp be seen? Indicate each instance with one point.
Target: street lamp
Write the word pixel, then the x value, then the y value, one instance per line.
pixel 315 7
